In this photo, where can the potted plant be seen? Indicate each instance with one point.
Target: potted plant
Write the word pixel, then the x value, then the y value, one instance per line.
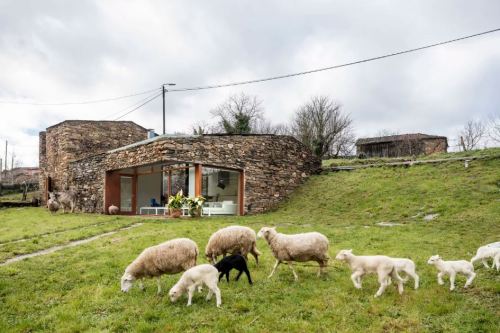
pixel 175 203
pixel 195 205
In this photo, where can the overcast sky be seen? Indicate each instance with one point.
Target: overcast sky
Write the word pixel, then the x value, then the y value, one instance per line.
pixel 62 51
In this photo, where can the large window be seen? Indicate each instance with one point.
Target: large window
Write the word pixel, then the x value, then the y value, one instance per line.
pixel 125 194
pixel 220 187
pixel 179 177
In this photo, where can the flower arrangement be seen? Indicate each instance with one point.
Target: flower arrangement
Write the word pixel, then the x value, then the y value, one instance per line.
pixel 195 204
pixel 175 203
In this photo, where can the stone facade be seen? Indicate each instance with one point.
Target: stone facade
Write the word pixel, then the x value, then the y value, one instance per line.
pixel 76 139
pixel 272 165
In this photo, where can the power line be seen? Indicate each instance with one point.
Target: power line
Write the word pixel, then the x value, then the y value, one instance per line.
pixel 130 106
pixel 83 102
pixel 141 105
pixel 335 66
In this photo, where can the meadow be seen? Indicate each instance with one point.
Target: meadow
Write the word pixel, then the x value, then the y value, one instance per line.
pixel 78 289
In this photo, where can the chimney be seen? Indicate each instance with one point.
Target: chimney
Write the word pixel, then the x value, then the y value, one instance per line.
pixel 151 133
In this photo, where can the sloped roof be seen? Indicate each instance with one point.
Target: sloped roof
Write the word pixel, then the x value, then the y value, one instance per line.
pixel 400 137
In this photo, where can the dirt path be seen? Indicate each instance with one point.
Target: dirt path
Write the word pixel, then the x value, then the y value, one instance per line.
pixel 70 244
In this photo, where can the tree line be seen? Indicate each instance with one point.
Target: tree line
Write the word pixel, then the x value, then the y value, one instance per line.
pixel 320 123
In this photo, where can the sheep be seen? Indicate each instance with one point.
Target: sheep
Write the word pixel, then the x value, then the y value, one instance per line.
pixel 310 246
pixel 113 210
pixel 170 257
pixel 232 239
pixel 407 266
pixel 235 261
pixel 52 203
pixel 67 200
pixel 452 268
pixel 194 278
pixel 485 252
pixel 384 266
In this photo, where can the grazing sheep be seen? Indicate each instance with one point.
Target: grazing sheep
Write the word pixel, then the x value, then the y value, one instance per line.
pixel 361 265
pixel 452 268
pixel 310 246
pixel 52 203
pixel 171 257
pixel 485 252
pixel 113 210
pixel 67 200
pixel 407 266
pixel 194 278
pixel 235 261
pixel 232 239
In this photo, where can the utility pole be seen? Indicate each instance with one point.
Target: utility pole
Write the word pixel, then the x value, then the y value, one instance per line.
pixel 164 91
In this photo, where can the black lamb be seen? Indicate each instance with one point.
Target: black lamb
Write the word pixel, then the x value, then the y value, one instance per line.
pixel 236 261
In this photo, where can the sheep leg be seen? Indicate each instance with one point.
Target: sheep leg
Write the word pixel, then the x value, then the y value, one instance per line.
pixel 394 274
pixel 227 276
pixel 209 295
pixel 496 262
pixel 470 278
pixel 191 290
pixel 440 278
pixel 247 272
pixel 158 283
pixel 274 268
pixel 452 280
pixel 221 275
pixel 415 277
pixel 383 284
pixel 295 276
pixel 213 289
pixel 356 279
pixel 485 263
pixel 255 255
pixel 238 276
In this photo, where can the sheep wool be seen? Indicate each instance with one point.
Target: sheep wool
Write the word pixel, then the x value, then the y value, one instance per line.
pixel 234 240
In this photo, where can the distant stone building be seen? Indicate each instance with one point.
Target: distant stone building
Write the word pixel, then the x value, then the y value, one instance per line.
pixel 76 139
pixel 401 145
pixel 20 175
pixel 237 174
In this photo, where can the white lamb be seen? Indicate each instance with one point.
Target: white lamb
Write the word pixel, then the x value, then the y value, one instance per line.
pixel 171 257
pixel 485 252
pixel 383 266
pixel 234 240
pixel 407 266
pixel 194 278
pixel 452 268
pixel 310 246
pixel 496 261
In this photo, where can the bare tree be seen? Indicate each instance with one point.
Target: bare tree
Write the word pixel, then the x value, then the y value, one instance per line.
pixel 238 114
pixel 387 132
pixel 264 126
pixel 494 130
pixel 472 133
pixel 201 128
pixel 321 125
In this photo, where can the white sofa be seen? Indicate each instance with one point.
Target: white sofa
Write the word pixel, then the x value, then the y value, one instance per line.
pixel 220 208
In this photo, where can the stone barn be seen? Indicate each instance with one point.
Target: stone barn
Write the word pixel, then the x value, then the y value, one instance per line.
pixel 401 145
pixel 114 163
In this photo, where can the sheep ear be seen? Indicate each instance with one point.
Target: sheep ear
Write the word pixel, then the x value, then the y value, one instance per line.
pixel 350 250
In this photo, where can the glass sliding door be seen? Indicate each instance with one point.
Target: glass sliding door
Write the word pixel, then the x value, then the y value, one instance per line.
pixel 126 193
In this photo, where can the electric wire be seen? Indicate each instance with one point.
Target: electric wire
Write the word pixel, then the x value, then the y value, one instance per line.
pixel 139 106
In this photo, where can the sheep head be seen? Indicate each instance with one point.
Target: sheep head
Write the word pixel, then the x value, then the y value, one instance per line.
pixel 343 255
pixel 174 293
pixel 127 281
pixel 264 232
pixel 434 259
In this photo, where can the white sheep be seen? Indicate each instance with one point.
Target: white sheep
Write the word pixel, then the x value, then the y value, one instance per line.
pixel 170 257
pixel 52 204
pixel 383 266
pixel 234 240
pixel 113 210
pixel 310 246
pixel 67 200
pixel 452 268
pixel 485 252
pixel 194 278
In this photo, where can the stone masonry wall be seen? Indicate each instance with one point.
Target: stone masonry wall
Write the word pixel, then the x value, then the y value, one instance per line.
pixel 77 139
pixel 273 165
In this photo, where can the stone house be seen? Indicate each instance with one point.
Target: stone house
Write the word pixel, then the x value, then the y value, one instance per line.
pixel 401 145
pixel 118 165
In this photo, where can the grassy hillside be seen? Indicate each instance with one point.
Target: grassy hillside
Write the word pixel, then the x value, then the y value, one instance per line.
pixel 77 289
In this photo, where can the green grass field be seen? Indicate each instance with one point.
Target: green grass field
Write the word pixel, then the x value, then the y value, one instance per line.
pixel 77 289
